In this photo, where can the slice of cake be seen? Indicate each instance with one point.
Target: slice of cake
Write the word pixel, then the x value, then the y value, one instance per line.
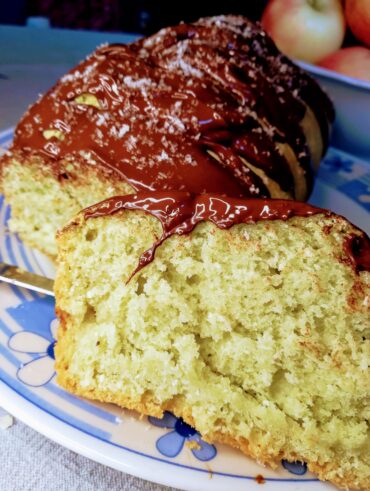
pixel 205 107
pixel 247 318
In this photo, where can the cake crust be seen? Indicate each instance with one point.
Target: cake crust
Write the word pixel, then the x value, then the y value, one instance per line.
pixel 150 407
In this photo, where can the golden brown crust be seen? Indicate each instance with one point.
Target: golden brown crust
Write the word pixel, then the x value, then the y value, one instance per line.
pixel 148 406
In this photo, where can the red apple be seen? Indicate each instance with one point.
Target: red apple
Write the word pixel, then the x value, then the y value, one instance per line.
pixel 358 18
pixel 305 29
pixel 353 62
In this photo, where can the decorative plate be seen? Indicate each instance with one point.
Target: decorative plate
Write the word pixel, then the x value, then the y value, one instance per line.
pixel 160 450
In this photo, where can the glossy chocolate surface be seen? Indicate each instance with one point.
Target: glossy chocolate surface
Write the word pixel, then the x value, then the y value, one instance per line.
pixel 357 248
pixel 180 212
pixel 181 110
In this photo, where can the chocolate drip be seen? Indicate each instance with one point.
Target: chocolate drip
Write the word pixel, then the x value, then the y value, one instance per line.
pixel 238 54
pixel 223 58
pixel 180 212
pixel 278 68
pixel 357 248
pixel 176 111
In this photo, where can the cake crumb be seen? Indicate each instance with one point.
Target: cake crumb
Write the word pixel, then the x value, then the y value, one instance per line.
pixel 210 471
pixel 192 445
pixel 6 420
pixel 260 479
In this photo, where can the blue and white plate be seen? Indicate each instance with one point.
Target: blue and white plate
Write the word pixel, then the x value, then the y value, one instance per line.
pixel 159 450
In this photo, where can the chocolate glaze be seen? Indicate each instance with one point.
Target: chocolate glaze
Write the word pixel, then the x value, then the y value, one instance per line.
pixel 357 248
pixel 280 71
pixel 163 103
pixel 225 57
pixel 180 212
pixel 255 71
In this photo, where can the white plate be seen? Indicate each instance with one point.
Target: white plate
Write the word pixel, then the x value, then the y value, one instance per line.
pixel 156 450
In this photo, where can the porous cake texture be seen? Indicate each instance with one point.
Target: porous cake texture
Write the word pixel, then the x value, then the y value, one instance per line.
pixel 206 107
pixel 257 334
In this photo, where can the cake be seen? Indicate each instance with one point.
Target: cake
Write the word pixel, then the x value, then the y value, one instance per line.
pixel 206 107
pixel 248 318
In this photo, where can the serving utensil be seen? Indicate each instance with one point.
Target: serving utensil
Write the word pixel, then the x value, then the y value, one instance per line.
pixel 19 277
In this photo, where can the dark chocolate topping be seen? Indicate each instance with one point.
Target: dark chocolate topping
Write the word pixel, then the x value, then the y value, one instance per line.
pixel 201 108
pixel 357 247
pixel 180 212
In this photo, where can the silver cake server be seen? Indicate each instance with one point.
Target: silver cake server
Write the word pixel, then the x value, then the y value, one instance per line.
pixel 20 277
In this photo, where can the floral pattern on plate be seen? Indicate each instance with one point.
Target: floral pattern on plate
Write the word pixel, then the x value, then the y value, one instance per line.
pixel 173 442
pixel 40 370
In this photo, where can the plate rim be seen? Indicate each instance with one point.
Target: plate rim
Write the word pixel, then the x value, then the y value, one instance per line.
pixel 76 440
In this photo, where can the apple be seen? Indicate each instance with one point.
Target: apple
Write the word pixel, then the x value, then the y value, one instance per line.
pixel 358 18
pixel 307 30
pixel 353 62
